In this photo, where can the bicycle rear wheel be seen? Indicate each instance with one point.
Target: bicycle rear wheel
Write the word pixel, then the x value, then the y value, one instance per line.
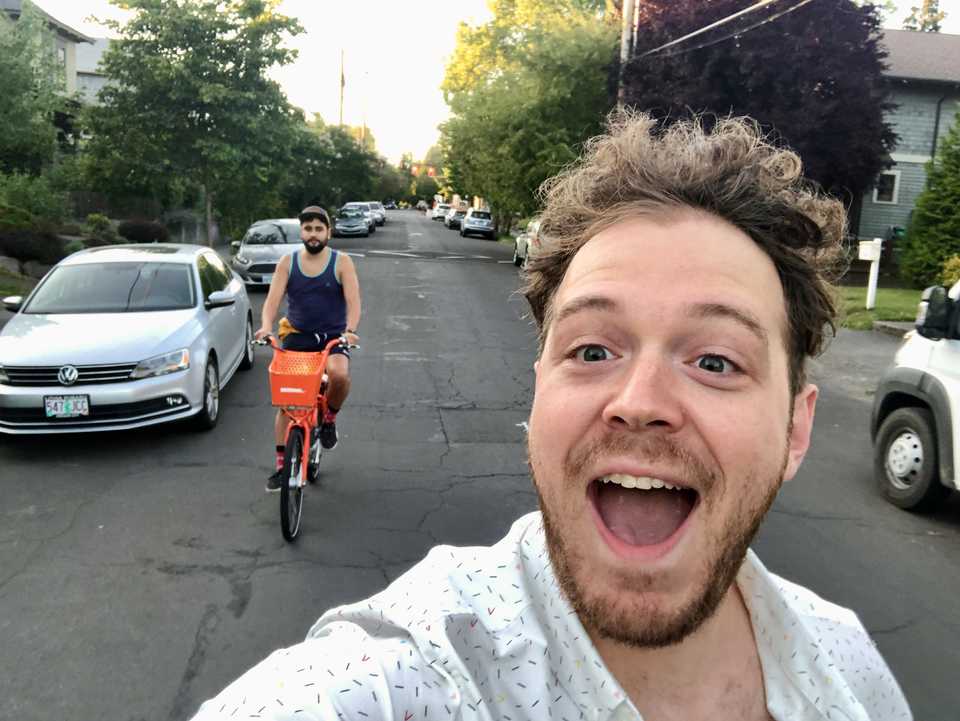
pixel 291 485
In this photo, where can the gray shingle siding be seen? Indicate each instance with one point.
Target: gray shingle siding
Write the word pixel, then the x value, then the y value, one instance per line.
pixel 877 218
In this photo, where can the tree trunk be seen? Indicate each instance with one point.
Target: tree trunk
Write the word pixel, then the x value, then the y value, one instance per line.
pixel 208 215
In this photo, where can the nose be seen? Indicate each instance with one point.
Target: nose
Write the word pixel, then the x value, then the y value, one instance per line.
pixel 646 395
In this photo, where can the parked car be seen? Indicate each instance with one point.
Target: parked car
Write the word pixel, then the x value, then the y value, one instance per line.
pixel 453 217
pixel 439 211
pixel 351 222
pixel 915 424
pixel 124 336
pixel 262 247
pixel 527 243
pixel 367 213
pixel 422 205
pixel 379 212
pixel 390 205
pixel 479 222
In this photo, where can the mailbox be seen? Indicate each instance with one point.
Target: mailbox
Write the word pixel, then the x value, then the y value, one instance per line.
pixel 870 249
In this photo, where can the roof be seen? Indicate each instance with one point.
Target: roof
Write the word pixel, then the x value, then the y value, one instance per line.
pixel 137 253
pixel 88 56
pixel 13 8
pixel 918 55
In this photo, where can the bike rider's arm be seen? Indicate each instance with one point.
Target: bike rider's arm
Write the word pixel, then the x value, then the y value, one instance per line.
pixel 351 293
pixel 278 286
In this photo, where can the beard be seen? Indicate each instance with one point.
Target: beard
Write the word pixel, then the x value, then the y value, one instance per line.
pixel 315 248
pixel 624 610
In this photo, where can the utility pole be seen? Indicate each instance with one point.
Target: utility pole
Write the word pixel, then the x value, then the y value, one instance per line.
pixel 626 46
pixel 343 82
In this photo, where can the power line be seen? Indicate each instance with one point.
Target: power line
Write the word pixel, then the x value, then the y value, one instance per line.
pixel 743 31
pixel 711 26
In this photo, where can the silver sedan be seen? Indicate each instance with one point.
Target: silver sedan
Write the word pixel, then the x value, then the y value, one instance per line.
pixel 123 337
pixel 262 247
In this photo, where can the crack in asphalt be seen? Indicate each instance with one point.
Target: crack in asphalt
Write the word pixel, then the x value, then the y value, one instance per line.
pixel 893 629
pixel 201 642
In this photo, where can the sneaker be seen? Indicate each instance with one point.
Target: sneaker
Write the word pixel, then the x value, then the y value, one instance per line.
pixel 274 481
pixel 328 435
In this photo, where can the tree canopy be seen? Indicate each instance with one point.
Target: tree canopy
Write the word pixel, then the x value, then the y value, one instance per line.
pixel 926 17
pixel 525 90
pixel 813 76
pixel 32 86
pixel 190 101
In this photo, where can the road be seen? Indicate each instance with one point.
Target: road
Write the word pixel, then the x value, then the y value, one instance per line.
pixel 141 572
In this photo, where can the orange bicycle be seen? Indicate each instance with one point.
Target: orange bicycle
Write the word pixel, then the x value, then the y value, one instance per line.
pixel 298 387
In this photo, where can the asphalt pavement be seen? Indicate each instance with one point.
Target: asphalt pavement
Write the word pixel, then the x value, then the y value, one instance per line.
pixel 141 572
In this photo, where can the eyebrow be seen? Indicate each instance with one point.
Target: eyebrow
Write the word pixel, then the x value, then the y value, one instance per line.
pixel 737 315
pixel 704 311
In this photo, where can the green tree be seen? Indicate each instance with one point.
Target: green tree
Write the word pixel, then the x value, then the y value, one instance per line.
pixel 190 102
pixel 32 86
pixel 933 234
pixel 542 89
pixel 925 18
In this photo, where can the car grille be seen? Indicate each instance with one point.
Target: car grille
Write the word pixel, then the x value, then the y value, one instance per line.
pixel 87 375
pixel 99 414
pixel 262 268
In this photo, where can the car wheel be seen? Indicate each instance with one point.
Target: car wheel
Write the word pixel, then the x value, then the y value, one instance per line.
pixel 248 356
pixel 210 411
pixel 905 460
pixel 517 260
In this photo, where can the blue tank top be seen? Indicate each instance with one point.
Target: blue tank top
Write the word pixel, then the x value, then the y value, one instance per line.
pixel 315 303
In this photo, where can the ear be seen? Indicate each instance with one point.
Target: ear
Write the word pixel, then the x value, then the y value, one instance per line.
pixel 804 405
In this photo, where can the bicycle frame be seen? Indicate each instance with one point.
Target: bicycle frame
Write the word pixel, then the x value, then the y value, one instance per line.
pixel 307 417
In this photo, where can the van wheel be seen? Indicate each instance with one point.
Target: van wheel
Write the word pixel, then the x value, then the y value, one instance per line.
pixel 905 460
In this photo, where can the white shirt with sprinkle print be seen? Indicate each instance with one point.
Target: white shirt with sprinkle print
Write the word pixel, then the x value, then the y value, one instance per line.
pixel 485 634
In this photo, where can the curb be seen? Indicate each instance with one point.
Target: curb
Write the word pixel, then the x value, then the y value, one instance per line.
pixel 893 328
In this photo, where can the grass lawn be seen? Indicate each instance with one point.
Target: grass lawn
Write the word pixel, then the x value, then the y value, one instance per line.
pixel 892 304
pixel 13 284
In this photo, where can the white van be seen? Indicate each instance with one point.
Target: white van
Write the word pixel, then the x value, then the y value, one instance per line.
pixel 915 425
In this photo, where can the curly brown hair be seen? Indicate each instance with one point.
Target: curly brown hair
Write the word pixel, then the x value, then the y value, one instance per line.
pixel 730 171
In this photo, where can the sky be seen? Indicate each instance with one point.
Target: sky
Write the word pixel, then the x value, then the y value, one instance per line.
pixel 395 54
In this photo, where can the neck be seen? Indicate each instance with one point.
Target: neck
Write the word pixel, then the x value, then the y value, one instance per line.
pixel 716 666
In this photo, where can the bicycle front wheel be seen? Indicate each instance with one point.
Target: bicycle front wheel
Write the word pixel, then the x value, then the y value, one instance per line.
pixel 291 485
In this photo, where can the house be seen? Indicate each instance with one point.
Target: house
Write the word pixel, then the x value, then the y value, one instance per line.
pixel 90 78
pixel 924 78
pixel 67 39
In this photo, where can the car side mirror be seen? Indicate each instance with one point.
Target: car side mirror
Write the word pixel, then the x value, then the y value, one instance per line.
pixel 13 303
pixel 933 313
pixel 219 299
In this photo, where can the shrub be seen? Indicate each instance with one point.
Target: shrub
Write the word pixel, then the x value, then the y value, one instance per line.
pixel 100 231
pixel 35 195
pixel 934 232
pixel 26 244
pixel 143 231
pixel 73 246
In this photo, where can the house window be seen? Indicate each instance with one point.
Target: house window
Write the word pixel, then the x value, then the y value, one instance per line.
pixel 62 55
pixel 887 189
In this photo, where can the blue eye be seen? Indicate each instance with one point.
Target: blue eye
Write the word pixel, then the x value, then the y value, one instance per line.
pixel 715 363
pixel 593 353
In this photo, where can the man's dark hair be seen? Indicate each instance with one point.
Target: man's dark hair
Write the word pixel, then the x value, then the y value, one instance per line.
pixel 731 172
pixel 314 212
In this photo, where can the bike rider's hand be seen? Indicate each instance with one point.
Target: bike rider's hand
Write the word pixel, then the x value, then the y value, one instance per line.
pixel 262 333
pixel 351 337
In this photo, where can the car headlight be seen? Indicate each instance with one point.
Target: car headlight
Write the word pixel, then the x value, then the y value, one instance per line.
pixel 4 378
pixel 242 260
pixel 162 364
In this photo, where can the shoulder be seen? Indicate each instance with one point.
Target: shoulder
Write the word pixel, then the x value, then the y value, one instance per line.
pixel 342 673
pixel 286 261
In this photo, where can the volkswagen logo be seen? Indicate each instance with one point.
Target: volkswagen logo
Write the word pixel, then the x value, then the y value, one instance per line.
pixel 68 375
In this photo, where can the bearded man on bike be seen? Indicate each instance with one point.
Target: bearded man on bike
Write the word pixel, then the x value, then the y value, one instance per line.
pixel 323 302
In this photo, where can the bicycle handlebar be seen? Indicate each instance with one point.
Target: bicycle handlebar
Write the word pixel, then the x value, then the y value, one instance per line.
pixel 339 340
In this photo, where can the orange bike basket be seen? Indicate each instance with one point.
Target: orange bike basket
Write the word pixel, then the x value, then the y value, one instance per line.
pixel 295 378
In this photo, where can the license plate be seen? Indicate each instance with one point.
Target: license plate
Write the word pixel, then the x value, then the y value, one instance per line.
pixel 66 406
pixel 268 278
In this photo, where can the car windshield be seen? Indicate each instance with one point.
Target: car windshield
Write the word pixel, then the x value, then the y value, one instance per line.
pixel 115 288
pixel 460 213
pixel 272 234
pixel 351 213
pixel 482 214
pixel 357 206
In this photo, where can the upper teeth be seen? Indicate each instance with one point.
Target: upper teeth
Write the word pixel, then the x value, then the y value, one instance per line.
pixel 644 483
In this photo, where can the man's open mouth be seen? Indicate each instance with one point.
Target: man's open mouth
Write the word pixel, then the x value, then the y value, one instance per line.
pixel 641 510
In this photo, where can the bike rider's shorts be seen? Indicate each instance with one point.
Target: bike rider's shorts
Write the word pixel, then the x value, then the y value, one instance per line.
pixel 312 343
